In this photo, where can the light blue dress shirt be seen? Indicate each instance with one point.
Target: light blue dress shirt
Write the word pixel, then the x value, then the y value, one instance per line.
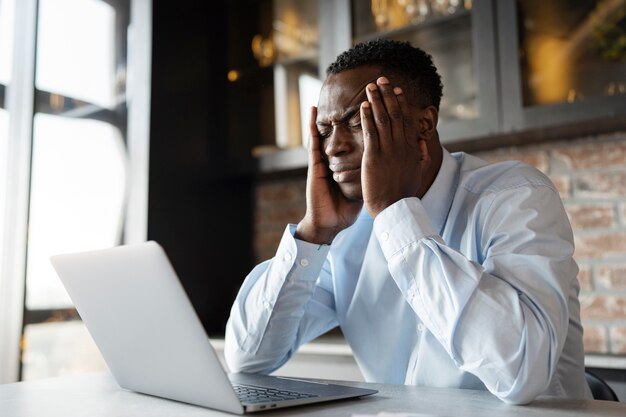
pixel 473 286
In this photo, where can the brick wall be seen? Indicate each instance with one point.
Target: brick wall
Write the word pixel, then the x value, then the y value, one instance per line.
pixel 590 174
pixel 278 202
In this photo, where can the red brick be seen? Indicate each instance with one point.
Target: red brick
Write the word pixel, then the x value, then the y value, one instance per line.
pixel 618 340
pixel 594 154
pixel 278 202
pixel 280 192
pixel 608 184
pixel 586 216
pixel 265 245
pixel 603 307
pixel 600 245
pixel 584 277
pixel 265 228
pixel 563 184
pixel 612 276
pixel 536 158
pixel 595 339
pixel 282 215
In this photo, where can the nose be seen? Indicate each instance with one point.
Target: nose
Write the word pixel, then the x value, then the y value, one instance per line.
pixel 340 141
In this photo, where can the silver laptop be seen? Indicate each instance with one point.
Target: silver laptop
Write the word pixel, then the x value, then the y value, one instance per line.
pixel 139 315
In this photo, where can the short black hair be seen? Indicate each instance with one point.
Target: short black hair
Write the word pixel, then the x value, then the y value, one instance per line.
pixel 401 58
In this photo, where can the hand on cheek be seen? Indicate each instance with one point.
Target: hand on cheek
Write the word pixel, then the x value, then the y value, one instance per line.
pixel 327 210
pixel 394 150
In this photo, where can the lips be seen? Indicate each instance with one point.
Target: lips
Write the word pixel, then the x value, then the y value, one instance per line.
pixel 343 172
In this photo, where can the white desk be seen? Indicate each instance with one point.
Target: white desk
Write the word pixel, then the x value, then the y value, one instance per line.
pixel 96 395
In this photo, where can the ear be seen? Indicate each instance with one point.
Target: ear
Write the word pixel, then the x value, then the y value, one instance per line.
pixel 428 122
pixel 424 155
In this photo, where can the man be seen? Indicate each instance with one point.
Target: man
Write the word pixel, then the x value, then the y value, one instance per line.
pixel 440 270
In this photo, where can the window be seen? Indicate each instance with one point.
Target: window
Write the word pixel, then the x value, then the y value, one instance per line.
pixel 85 165
pixel 6 50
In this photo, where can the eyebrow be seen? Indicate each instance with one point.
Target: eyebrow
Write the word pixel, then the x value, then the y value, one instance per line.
pixel 346 115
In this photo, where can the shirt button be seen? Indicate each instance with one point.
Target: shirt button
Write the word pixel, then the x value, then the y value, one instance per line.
pixel 384 236
pixel 304 262
pixel 266 305
pixel 420 327
pixel 287 256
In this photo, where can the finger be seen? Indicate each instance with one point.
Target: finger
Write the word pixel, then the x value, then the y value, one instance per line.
pixel 409 124
pixel 315 151
pixel 317 168
pixel 379 114
pixel 394 112
pixel 371 141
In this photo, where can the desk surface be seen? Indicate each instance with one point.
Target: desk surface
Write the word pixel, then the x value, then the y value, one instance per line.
pixel 96 395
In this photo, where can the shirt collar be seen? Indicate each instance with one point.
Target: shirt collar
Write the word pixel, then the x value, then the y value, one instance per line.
pixel 438 199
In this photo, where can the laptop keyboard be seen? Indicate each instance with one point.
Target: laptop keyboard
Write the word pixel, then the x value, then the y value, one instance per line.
pixel 249 395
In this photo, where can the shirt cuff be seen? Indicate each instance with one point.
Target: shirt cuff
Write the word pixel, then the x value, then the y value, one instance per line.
pixel 401 224
pixel 302 259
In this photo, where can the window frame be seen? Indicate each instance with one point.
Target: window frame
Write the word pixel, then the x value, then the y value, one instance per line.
pixel 131 116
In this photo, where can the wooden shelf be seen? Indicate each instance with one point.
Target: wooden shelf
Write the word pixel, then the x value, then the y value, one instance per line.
pixel 283 160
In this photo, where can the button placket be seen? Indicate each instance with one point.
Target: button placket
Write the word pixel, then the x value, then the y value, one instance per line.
pixel 411 292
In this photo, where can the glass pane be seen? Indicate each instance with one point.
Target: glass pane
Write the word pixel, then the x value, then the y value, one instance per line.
pixel 56 349
pixel 572 50
pixel 77 198
pixel 309 87
pixel 442 28
pixel 294 86
pixel 378 16
pixel 295 43
pixel 6 61
pixel 4 134
pixel 295 28
pixel 6 39
pixel 75 50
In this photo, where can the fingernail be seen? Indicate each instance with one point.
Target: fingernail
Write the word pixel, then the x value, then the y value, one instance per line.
pixel 365 105
pixel 383 80
pixel 397 91
pixel 372 87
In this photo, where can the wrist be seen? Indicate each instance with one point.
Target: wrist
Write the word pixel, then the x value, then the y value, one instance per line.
pixel 315 235
pixel 374 209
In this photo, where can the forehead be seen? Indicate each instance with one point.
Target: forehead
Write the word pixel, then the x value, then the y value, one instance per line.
pixel 343 91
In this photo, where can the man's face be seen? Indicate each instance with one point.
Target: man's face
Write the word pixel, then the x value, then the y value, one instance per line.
pixel 339 125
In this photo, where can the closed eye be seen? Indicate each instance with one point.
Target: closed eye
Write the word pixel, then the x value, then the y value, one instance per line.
pixel 324 131
pixel 354 122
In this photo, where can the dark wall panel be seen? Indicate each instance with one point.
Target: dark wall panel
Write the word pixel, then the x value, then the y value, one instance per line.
pixel 199 209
